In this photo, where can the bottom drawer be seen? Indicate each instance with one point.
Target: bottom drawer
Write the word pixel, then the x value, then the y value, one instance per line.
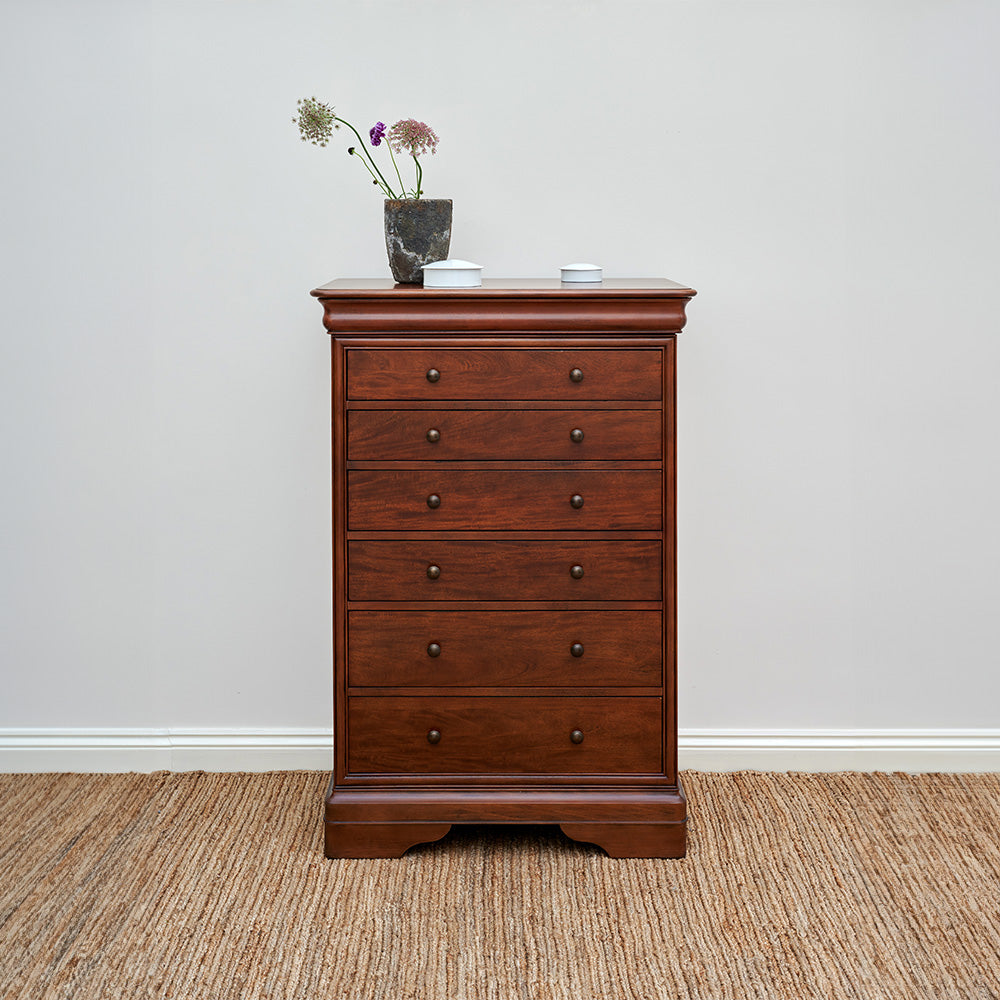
pixel 504 735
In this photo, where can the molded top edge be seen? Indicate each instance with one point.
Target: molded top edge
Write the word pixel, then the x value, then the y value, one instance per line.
pixel 526 287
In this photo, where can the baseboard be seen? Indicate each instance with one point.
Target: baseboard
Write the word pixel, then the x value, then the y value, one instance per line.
pixel 115 750
pixel 914 750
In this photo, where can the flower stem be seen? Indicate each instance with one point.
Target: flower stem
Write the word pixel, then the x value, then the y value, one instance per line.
pixel 386 191
pixel 384 185
pixel 402 186
pixel 420 174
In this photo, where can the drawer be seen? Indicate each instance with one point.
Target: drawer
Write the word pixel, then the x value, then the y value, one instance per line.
pixel 510 435
pixel 440 498
pixel 510 735
pixel 502 570
pixel 504 648
pixel 471 373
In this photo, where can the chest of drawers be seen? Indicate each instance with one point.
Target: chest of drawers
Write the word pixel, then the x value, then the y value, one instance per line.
pixel 504 562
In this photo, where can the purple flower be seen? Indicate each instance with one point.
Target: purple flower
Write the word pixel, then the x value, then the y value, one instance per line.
pixel 377 131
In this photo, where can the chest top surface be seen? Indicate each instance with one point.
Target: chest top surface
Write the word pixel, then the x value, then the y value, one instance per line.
pixel 373 305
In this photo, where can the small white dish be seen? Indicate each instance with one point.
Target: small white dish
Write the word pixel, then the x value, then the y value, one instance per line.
pixel 453 274
pixel 582 272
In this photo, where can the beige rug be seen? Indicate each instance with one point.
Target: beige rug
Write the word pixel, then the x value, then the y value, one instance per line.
pixel 198 886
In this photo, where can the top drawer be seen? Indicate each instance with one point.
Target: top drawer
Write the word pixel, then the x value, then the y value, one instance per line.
pixel 511 373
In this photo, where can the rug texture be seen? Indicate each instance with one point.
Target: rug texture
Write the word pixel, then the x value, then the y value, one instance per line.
pixel 196 886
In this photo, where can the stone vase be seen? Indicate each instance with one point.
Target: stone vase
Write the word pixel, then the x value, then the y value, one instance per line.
pixel 417 232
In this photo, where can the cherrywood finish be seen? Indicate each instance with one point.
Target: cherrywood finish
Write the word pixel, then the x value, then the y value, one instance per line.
pixel 504 686
pixel 506 735
pixel 504 306
pixel 380 840
pixel 512 649
pixel 491 570
pixel 568 374
pixel 632 840
pixel 558 500
pixel 511 435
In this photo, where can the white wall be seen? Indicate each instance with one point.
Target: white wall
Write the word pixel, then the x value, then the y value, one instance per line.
pixel 826 174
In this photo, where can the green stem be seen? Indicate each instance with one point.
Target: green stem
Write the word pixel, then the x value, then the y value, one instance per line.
pixel 386 191
pixel 402 186
pixel 385 184
pixel 420 175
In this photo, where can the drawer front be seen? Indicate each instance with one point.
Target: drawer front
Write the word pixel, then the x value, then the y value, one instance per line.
pixel 504 648
pixel 440 499
pixel 469 373
pixel 509 735
pixel 492 570
pixel 506 435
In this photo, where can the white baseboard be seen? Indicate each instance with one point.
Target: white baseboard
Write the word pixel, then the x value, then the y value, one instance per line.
pixel 913 750
pixel 144 750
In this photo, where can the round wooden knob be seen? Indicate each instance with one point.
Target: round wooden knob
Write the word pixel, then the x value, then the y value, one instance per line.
pixel 433 374
pixel 433 435
pixel 575 737
pixel 434 649
pixel 576 572
pixel 576 435
pixel 433 572
pixel 576 501
pixel 434 736
pixel 576 649
pixel 433 501
pixel 575 375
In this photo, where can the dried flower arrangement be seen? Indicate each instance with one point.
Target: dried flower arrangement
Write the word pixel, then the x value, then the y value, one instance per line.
pixel 317 121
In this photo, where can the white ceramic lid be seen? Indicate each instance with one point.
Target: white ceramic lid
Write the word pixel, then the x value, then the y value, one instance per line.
pixel 453 265
pixel 580 267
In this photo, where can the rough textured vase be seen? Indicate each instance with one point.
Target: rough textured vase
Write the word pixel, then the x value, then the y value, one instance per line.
pixel 417 232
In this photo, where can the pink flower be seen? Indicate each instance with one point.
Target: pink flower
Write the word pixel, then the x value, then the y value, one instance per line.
pixel 413 137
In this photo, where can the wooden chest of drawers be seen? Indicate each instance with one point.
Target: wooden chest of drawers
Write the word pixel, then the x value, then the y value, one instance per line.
pixel 504 562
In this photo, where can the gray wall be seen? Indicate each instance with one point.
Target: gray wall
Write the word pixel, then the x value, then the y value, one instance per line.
pixel 826 174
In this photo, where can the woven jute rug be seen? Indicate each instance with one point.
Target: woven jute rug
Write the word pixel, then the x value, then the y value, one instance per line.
pixel 214 886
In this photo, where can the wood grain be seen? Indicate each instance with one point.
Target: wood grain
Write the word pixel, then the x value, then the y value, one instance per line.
pixel 512 435
pixel 511 499
pixel 503 374
pixel 396 570
pixel 651 306
pixel 512 648
pixel 510 735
